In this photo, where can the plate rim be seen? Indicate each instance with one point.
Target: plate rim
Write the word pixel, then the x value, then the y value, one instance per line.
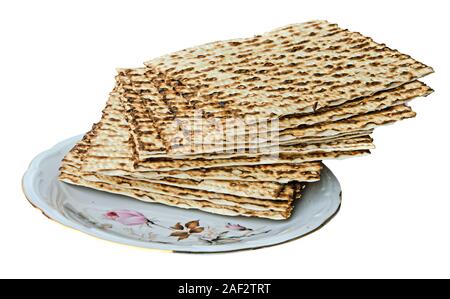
pixel 39 204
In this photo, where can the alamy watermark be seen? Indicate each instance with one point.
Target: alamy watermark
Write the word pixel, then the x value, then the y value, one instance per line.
pixel 228 136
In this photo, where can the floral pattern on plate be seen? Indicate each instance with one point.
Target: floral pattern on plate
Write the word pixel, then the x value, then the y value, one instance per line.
pixel 128 221
pixel 136 225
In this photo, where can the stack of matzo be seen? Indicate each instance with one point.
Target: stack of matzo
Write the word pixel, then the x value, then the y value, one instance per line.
pixel 294 97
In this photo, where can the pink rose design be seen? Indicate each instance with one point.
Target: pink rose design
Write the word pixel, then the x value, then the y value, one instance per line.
pixel 127 217
pixel 236 227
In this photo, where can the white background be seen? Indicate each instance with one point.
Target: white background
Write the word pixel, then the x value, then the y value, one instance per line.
pixel 57 62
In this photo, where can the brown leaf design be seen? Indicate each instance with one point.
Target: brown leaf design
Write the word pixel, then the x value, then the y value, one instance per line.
pixel 183 237
pixel 192 224
pixel 178 226
pixel 196 230
pixel 179 234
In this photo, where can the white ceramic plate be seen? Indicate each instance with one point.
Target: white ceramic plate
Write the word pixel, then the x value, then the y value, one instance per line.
pixel 125 220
